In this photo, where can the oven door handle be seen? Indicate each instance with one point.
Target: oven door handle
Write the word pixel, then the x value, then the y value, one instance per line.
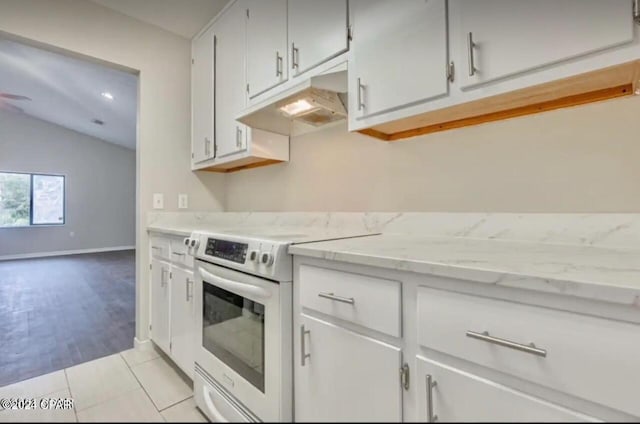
pixel 243 289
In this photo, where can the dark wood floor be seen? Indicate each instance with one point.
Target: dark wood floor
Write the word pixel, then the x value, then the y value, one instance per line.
pixel 61 311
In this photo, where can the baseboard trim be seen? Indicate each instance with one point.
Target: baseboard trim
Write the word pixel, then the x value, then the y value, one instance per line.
pixel 65 252
pixel 143 345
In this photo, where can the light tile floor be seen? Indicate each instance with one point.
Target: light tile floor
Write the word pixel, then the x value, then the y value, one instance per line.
pixel 131 386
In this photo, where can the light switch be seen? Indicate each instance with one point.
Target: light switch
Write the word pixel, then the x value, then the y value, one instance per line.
pixel 158 201
pixel 183 201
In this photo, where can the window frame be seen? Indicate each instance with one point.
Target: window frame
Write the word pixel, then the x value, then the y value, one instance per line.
pixel 64 199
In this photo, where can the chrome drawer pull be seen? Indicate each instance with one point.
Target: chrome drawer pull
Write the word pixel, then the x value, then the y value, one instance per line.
pixel 156 248
pixel 470 46
pixel 303 351
pixel 331 296
pixel 530 348
pixel 431 383
pixel 177 254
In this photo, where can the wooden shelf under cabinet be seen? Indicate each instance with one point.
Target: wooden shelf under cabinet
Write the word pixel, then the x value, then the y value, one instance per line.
pixel 607 83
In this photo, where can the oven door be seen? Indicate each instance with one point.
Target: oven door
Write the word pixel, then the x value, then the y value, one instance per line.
pixel 240 336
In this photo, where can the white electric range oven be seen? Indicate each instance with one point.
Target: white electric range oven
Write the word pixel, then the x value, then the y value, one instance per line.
pixel 243 300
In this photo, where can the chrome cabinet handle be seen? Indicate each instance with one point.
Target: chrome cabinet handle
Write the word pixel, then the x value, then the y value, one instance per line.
pixel 238 137
pixel 530 348
pixel 177 253
pixel 360 96
pixel 189 294
pixel 431 383
pixel 470 46
pixel 294 56
pixel 331 296
pixel 303 354
pixel 156 248
pixel 278 64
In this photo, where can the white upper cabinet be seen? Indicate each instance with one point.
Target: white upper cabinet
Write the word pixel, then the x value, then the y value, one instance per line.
pixel 502 38
pixel 399 55
pixel 202 104
pixel 230 81
pixel 318 31
pixel 267 64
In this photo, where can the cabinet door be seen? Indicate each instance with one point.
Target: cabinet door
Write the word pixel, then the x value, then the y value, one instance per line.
pixel 202 95
pixel 317 32
pixel 399 55
pixel 267 64
pixel 460 396
pixel 160 304
pixel 230 80
pixel 346 377
pixel 182 320
pixel 514 36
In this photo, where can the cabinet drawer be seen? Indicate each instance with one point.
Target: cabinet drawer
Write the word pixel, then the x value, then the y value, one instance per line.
pixel 180 254
pixel 592 358
pixel 367 301
pixel 160 248
pixel 457 396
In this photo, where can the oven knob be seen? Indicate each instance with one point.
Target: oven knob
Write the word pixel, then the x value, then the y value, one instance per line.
pixel 195 242
pixel 253 255
pixel 186 241
pixel 266 258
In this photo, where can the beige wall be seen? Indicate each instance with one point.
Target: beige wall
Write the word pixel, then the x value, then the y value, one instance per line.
pixel 584 159
pixel 163 60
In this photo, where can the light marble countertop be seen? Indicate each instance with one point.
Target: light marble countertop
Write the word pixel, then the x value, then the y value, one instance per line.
pixel 602 273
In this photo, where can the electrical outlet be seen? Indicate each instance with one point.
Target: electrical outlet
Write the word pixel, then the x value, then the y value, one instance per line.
pixel 183 201
pixel 158 201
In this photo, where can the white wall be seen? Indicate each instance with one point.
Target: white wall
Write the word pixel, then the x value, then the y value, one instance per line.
pixel 582 159
pixel 163 60
pixel 100 186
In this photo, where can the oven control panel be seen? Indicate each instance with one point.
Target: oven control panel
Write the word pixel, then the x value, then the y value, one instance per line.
pixel 265 258
pixel 225 249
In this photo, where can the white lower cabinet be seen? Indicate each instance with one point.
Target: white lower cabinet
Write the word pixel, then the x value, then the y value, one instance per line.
pixel 341 375
pixel 160 304
pixel 447 394
pixel 490 354
pixel 183 320
pixel 172 307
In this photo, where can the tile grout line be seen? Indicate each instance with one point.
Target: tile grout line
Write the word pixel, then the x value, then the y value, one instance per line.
pixel 145 391
pixel 66 377
pixel 174 404
pixel 114 396
pixel 140 383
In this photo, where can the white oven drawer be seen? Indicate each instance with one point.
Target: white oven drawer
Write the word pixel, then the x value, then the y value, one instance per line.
pixel 371 302
pixel 592 358
pixel 180 254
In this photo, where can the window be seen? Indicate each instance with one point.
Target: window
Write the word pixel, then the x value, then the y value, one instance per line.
pixel 31 199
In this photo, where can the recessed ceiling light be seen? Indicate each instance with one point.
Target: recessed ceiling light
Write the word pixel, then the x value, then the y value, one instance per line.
pixel 107 95
pixel 97 121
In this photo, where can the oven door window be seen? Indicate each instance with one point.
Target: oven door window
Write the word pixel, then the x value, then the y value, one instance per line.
pixel 233 331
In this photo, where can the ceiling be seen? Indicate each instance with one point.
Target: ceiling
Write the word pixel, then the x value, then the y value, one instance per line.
pixel 182 17
pixel 68 92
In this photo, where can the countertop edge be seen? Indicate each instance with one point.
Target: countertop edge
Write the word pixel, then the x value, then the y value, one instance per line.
pixel 575 288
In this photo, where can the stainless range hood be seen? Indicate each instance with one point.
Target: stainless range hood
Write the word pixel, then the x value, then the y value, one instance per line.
pixel 316 101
